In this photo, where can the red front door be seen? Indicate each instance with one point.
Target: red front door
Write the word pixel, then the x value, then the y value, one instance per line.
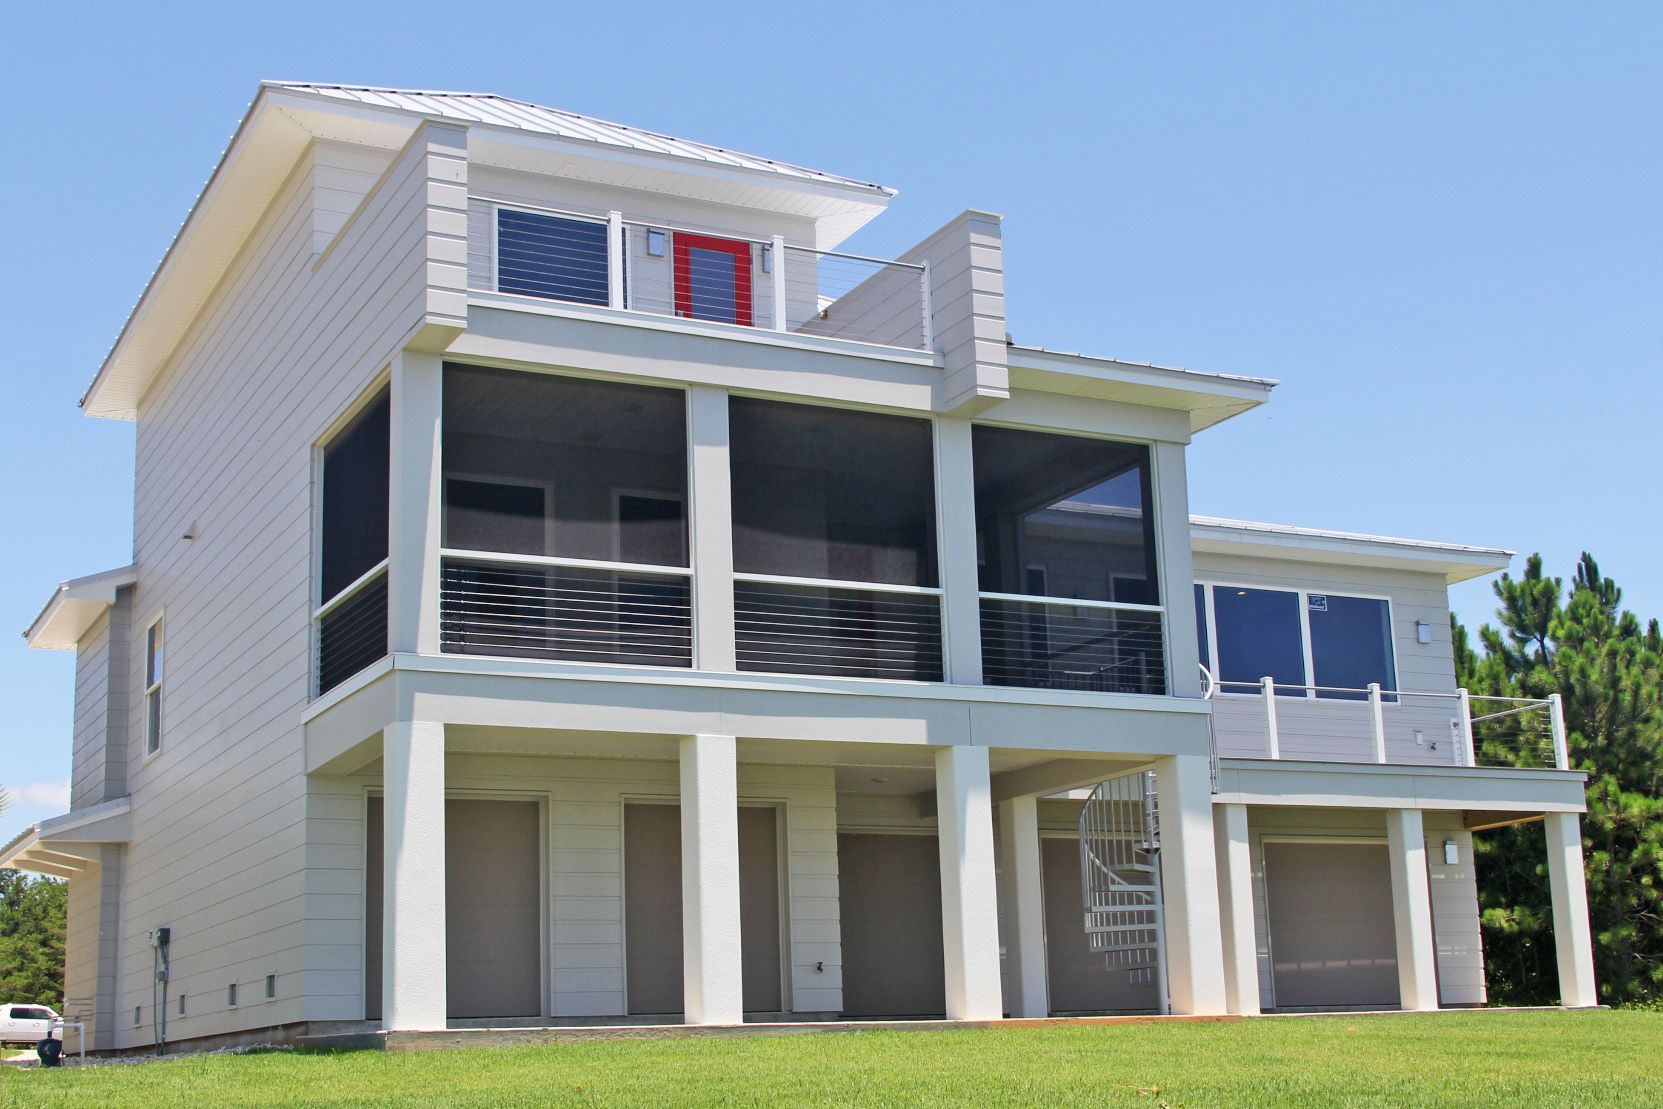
pixel 713 278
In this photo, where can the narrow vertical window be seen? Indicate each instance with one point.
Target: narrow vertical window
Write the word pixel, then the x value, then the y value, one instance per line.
pixel 352 614
pixel 153 652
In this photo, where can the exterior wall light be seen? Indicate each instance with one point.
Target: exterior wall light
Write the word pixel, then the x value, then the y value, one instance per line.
pixel 656 242
pixel 1452 853
pixel 1423 631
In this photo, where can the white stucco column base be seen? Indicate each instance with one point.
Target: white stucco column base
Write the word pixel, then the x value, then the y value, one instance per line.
pixel 1189 885
pixel 1027 992
pixel 1572 937
pixel 413 905
pixel 969 888
pixel 1417 967
pixel 1235 908
pixel 712 967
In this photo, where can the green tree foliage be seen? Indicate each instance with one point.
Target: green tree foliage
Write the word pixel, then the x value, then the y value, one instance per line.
pixel 33 914
pixel 1580 643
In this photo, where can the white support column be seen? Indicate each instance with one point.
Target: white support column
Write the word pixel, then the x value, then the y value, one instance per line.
pixel 969 888
pixel 710 497
pixel 1378 712
pixel 1177 569
pixel 615 259
pixel 1025 959
pixel 1417 954
pixel 1572 936
pixel 413 903
pixel 1235 907
pixel 712 967
pixel 782 319
pixel 414 503
pixel 1189 885
pixel 961 606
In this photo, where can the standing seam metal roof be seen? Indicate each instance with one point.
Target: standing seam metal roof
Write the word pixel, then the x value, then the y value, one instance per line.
pixel 502 111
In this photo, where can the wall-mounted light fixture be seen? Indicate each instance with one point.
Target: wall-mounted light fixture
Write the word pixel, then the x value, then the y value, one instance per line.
pixel 656 241
pixel 1452 853
pixel 1423 631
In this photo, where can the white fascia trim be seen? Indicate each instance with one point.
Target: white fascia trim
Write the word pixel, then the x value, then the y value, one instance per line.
pixel 1040 358
pixel 1457 562
pixel 1208 398
pixel 73 607
pixel 101 823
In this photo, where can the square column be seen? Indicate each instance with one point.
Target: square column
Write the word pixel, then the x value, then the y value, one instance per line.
pixel 712 966
pixel 1189 885
pixel 1572 938
pixel 413 902
pixel 1235 908
pixel 969 888
pixel 961 604
pixel 414 503
pixel 1417 967
pixel 710 517
pixel 1025 962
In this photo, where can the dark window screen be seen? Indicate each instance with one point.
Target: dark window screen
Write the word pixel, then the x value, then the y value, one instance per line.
pixel 1351 643
pixel 1076 509
pixel 547 256
pixel 355 499
pixel 1259 636
pixel 826 493
pixel 545 465
pixel 1201 627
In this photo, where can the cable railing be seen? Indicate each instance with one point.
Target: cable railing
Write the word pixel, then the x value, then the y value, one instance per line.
pixel 571 610
pixel 349 630
pixel 788 625
pixel 1280 720
pixel 1050 643
pixel 663 270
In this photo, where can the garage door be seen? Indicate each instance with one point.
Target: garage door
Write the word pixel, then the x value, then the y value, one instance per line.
pixel 890 892
pixel 1079 978
pixel 652 908
pixel 493 922
pixel 1332 942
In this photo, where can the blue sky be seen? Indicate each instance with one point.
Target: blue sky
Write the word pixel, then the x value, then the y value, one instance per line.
pixel 1437 224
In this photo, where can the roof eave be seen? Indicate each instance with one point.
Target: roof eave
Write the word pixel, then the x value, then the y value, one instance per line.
pixel 73 608
pixel 1453 561
pixel 1208 398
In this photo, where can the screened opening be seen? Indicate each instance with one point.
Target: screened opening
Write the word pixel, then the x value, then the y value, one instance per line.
pixel 354 497
pixel 564 467
pixel 1064 516
pixel 827 493
pixel 551 257
pixel 352 622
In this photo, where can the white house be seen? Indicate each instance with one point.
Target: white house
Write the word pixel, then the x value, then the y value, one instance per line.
pixel 567 590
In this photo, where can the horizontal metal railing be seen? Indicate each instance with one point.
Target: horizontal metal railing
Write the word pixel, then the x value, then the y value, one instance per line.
pixel 842 629
pixel 565 609
pixel 664 270
pixel 349 630
pixel 1372 724
pixel 1050 643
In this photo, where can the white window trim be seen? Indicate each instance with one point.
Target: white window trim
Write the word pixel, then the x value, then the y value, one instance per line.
pixel 153 742
pixel 1304 595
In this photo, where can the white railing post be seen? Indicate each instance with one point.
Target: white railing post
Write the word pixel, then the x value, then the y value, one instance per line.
pixel 614 259
pixel 1268 684
pixel 1469 749
pixel 781 322
pixel 1556 720
pixel 927 304
pixel 1377 710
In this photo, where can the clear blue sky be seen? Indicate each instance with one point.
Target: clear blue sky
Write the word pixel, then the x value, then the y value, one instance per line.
pixel 1439 225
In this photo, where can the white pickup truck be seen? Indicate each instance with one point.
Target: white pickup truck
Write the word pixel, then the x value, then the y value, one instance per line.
pixel 27 1024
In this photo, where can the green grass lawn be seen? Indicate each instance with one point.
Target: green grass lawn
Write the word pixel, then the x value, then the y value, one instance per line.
pixel 1514 1059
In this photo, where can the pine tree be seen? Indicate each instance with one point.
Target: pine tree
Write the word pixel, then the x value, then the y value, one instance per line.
pixel 1584 646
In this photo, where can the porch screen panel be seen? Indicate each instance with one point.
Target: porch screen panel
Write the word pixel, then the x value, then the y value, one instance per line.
pixel 351 632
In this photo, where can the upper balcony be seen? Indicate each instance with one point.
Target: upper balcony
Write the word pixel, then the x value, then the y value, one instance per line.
pixel 608 260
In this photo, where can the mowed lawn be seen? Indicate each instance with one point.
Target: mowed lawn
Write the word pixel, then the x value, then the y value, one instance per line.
pixel 1513 1059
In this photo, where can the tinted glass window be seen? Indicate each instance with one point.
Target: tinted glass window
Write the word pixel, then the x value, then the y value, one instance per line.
pixel 355 499
pixel 826 493
pixel 1201 626
pixel 547 256
pixel 544 465
pixel 1064 516
pixel 1351 642
pixel 1259 635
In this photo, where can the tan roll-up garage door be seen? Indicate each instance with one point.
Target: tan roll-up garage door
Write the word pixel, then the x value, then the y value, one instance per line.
pixel 1080 980
pixel 1332 943
pixel 889 890
pixel 652 908
pixel 493 918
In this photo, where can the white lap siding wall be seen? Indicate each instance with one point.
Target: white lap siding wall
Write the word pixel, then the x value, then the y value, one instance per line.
pixel 288 342
pixel 1344 730
pixel 584 801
